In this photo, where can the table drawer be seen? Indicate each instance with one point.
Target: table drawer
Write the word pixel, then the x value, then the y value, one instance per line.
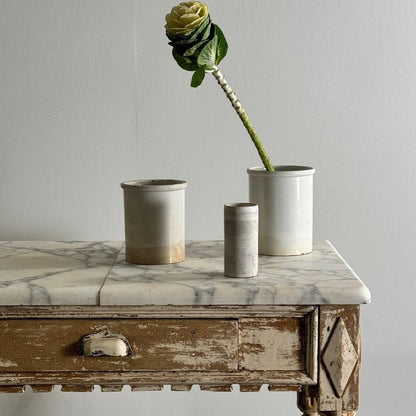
pixel 278 344
pixel 156 345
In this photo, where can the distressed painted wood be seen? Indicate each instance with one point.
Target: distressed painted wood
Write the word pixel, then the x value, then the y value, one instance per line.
pixel 157 345
pixel 336 393
pixel 340 345
pixel 311 344
pixel 247 388
pixel 68 319
pixel 284 387
pixel 74 388
pixel 216 388
pixel 279 346
pixel 151 312
pixel 271 344
pixel 181 387
pixel 146 387
pixel 12 389
pixel 111 388
pixel 283 343
pixel 159 377
pixel 41 388
pixel 339 357
pixel 307 401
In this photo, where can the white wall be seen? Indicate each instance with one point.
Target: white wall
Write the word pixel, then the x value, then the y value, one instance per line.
pixel 90 96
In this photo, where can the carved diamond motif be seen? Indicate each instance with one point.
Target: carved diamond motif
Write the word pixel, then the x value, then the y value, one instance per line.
pixel 339 357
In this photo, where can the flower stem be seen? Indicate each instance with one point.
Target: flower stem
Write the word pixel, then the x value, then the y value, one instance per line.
pixel 244 118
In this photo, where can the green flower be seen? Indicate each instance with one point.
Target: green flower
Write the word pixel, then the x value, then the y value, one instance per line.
pixel 198 44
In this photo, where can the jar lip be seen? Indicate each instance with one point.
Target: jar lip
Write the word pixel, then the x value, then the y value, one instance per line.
pixel 282 170
pixel 154 184
pixel 241 206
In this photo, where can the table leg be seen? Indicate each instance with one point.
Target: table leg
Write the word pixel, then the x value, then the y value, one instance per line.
pixel 340 356
pixel 307 401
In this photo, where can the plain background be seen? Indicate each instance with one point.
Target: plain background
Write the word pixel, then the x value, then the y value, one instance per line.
pixel 90 96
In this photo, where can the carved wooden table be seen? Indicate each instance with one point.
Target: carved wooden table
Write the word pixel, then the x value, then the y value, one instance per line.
pixel 76 314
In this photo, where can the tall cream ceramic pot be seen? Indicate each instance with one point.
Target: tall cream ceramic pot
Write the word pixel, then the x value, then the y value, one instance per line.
pixel 285 200
pixel 154 216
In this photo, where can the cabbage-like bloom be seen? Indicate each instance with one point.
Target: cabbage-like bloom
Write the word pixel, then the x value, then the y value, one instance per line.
pixel 197 43
pixel 185 17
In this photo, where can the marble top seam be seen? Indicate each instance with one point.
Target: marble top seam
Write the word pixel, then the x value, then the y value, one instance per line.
pixel 108 273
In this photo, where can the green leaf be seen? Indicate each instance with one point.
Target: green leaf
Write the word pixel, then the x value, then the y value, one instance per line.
pixel 198 77
pixel 208 54
pixel 198 43
pixel 222 46
pixel 185 63
pixel 201 32
pixel 202 27
pixel 191 51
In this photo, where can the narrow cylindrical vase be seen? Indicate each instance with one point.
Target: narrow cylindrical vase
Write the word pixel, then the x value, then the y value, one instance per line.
pixel 154 216
pixel 285 199
pixel 240 240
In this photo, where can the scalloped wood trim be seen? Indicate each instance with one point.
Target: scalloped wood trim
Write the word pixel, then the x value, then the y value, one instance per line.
pixel 156 378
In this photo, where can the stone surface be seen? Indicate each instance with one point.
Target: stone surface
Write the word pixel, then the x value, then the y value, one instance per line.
pixel 81 273
pixel 54 273
pixel 321 277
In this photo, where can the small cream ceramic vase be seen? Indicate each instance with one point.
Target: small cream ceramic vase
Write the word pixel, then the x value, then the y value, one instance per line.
pixel 285 199
pixel 154 215
pixel 240 240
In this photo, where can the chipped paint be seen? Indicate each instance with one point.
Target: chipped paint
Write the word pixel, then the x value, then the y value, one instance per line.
pixel 271 344
pixel 7 363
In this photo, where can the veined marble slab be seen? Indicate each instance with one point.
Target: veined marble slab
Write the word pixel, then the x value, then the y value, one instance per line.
pixel 54 273
pixel 321 277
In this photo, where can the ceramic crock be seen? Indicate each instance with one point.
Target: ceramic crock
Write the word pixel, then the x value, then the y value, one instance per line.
pixel 154 217
pixel 285 200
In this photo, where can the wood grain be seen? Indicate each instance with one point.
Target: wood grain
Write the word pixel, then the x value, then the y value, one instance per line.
pixel 216 388
pixel 178 346
pixel 336 392
pixel 330 317
pixel 142 312
pixel 157 377
pixel 77 388
pixel 272 344
pixel 157 345
pixel 12 389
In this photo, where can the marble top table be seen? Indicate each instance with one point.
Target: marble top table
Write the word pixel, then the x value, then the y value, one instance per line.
pixel 96 273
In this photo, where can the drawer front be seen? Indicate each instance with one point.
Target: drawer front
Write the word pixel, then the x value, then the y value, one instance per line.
pixel 156 345
pixel 277 344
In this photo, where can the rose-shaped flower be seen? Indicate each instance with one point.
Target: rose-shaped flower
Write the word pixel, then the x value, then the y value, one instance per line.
pixel 185 17
pixel 198 44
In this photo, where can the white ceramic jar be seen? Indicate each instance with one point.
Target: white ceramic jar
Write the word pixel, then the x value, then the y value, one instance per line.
pixel 285 200
pixel 154 216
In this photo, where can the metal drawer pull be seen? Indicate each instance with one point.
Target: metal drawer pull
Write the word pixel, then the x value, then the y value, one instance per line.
pixel 104 343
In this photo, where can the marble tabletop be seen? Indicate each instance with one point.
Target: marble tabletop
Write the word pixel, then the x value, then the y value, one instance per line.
pixel 54 272
pixel 94 273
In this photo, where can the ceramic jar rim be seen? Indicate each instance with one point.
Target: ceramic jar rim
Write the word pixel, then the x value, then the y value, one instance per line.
pixel 282 170
pixel 241 207
pixel 154 185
